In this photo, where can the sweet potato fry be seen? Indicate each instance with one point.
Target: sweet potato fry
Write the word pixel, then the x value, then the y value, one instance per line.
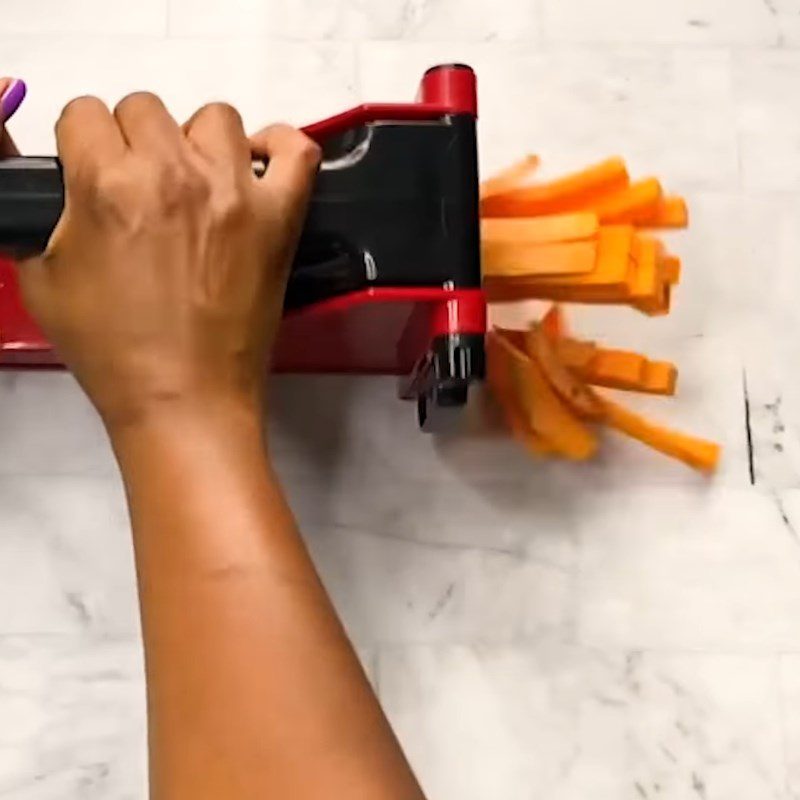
pixel 699 454
pixel 510 178
pixel 570 193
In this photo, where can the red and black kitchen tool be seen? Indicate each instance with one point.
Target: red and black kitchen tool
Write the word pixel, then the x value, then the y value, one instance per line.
pixel 387 277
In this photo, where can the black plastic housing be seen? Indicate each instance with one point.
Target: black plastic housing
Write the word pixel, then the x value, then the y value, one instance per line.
pixel 394 204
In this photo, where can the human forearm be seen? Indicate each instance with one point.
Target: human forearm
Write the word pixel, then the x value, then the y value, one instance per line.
pixel 162 289
pixel 234 613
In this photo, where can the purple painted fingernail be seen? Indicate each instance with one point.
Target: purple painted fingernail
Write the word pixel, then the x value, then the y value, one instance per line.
pixel 12 99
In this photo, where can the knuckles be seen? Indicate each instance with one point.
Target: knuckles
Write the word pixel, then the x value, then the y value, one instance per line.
pixel 310 153
pixel 159 185
pixel 75 111
pixel 231 208
pixel 156 189
pixel 304 149
pixel 137 102
pixel 177 186
pixel 222 112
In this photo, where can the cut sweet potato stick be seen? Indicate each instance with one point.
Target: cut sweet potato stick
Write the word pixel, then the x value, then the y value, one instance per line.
pixel 628 204
pixel 532 441
pixel 512 291
pixel 525 260
pixel 540 230
pixel 646 283
pixel 554 324
pixel 575 354
pixel 572 192
pixel 512 336
pixel 510 178
pixel 529 231
pixel 659 305
pixel 608 282
pixel 670 212
pixel 617 369
pixel 498 376
pixel 613 268
pixel 545 414
pixel 572 391
pixel 660 377
pixel 671 270
pixel 697 453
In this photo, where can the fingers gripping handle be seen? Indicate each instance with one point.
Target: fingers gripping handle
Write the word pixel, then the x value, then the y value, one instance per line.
pixel 31 202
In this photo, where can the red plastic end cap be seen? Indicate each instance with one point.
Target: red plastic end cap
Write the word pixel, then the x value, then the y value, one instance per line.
pixel 459 311
pixel 453 86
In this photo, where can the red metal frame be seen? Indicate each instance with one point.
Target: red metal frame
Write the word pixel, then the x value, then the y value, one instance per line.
pixel 374 331
pixel 448 89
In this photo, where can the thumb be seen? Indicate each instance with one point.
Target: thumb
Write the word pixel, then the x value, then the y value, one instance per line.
pixel 292 163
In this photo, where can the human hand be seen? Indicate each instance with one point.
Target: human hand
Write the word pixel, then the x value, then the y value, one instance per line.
pixel 162 287
pixel 12 93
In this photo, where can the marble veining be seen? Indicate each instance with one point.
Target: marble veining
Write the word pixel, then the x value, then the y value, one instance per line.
pixel 623 630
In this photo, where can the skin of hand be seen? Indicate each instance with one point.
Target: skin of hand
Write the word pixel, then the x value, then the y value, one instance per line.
pixel 187 250
pixel 162 289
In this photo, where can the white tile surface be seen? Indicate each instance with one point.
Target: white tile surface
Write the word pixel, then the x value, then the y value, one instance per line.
pixel 711 570
pixel 680 21
pixel 73 719
pixel 391 590
pixel 390 19
pixel 565 723
pixel 47 426
pixel 298 82
pixel 622 630
pixel 83 17
pixel 769 120
pixel 70 534
pixel 670 112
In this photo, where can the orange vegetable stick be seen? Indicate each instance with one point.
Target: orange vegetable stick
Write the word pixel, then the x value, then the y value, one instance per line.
pixel 608 282
pixel 697 453
pixel 501 290
pixel 670 212
pixel 510 178
pixel 544 412
pixel 660 377
pixel 512 336
pixel 628 204
pixel 573 392
pixel 532 441
pixel 498 375
pixel 572 192
pixel 613 268
pixel 657 306
pixel 554 324
pixel 671 269
pixel 525 260
pixel 646 283
pixel 616 369
pixel 575 354
pixel 540 230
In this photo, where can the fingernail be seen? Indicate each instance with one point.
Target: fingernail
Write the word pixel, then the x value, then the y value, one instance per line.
pixel 12 99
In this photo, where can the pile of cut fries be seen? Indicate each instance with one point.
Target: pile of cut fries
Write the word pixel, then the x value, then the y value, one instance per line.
pixel 585 238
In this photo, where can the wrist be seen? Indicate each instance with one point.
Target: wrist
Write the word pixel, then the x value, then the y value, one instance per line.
pixel 231 418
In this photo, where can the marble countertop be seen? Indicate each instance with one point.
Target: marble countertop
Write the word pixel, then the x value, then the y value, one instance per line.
pixel 623 630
